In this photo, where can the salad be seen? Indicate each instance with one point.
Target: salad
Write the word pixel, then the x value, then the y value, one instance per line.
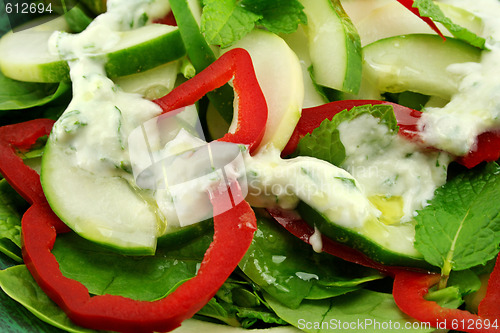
pixel 263 166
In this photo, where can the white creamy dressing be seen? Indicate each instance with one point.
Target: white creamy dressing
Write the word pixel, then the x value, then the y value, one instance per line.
pixel 391 166
pixel 97 122
pixel 378 164
pixel 100 118
pixel 329 189
pixel 476 107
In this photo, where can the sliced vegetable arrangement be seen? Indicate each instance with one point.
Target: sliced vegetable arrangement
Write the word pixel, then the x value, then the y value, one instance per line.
pixel 243 165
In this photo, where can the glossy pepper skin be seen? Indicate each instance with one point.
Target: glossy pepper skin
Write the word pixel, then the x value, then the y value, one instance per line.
pixel 410 286
pixel 409 292
pixel 234 231
pixel 487 148
pixel 234 228
pixel 251 113
pixel 22 137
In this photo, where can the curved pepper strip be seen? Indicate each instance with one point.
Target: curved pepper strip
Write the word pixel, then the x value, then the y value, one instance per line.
pixel 410 289
pixel 410 286
pixel 294 224
pixel 487 146
pixel 312 117
pixel 233 234
pixel 489 306
pixel 487 149
pixel 251 114
pixel 234 231
pixel 22 137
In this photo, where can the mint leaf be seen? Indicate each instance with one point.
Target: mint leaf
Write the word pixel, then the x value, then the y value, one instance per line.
pixel 278 16
pixel 224 22
pixel 427 8
pixel 460 228
pixel 324 142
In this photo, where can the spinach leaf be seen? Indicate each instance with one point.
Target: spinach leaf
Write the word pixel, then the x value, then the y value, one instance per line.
pixel 290 271
pixel 460 228
pixel 11 208
pixel 18 283
pixel 140 278
pixel 361 310
pixel 238 303
pixel 17 95
pixel 324 142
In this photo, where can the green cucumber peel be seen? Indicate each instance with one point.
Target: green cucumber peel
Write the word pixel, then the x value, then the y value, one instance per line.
pixel 201 56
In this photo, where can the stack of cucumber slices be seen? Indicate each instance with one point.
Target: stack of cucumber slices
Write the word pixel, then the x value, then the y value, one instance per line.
pixel 111 211
pixel 340 50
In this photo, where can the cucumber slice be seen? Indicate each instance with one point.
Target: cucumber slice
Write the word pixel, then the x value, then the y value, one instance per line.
pixel 393 19
pixel 280 77
pixel 25 56
pixel 390 20
pixel 386 244
pixel 105 210
pixel 416 63
pixel 153 83
pixel 188 15
pixel 463 18
pixel 299 44
pixel 334 45
pixel 108 210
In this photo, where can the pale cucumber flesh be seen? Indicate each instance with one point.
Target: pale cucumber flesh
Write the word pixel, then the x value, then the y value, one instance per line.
pixel 279 75
pixel 417 63
pixel 25 55
pixel 105 210
pixel 334 45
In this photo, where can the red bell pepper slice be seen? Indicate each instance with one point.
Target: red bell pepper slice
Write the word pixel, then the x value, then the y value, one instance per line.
pixel 12 138
pixel 312 117
pixel 294 224
pixel 487 149
pixel 410 288
pixel 251 114
pixel 487 145
pixel 168 19
pixel 489 306
pixel 409 5
pixel 234 231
